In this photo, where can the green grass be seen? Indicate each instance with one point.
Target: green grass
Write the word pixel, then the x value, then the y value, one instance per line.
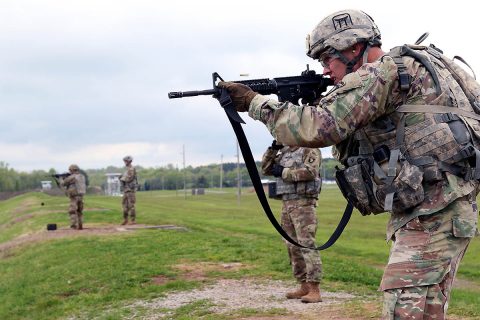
pixel 91 275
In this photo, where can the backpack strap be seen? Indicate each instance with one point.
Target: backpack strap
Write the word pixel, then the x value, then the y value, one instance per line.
pixel 398 52
pixel 431 108
pixel 447 113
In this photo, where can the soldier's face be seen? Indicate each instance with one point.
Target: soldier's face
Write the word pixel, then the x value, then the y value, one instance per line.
pixel 335 68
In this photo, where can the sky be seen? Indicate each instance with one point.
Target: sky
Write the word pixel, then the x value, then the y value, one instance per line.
pixel 86 81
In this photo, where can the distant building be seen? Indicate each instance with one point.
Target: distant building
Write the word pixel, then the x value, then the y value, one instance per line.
pixel 113 184
pixel 46 185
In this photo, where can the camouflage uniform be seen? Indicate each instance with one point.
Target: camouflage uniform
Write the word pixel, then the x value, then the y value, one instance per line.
pixel 430 239
pixel 75 189
pixel 129 184
pixel 298 187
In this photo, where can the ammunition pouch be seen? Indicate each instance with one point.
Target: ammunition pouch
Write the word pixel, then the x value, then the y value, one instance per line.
pixel 371 190
pixel 297 189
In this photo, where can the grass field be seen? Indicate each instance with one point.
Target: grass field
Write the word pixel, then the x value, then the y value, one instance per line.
pixel 95 275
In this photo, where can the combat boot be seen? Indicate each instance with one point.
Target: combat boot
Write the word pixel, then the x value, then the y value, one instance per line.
pixel 300 292
pixel 124 222
pixel 313 293
pixel 133 222
pixel 80 226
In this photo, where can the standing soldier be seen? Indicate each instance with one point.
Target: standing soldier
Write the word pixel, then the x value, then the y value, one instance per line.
pixel 75 189
pixel 129 184
pixel 298 184
pixel 406 127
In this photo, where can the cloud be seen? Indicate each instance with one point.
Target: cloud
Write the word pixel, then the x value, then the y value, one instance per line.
pixel 93 75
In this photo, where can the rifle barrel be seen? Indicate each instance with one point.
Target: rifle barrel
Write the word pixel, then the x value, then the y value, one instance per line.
pixel 181 94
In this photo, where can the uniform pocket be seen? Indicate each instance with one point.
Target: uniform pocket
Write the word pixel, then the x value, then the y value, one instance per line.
pixel 414 273
pixel 407 188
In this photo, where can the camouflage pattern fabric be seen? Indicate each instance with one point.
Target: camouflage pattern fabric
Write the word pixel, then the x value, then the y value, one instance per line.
pixel 129 182
pixel 129 179
pixel 299 220
pixel 307 170
pixel 423 262
pixel 300 176
pixel 75 211
pixel 340 31
pixel 128 204
pixel 361 98
pixel 75 189
pixel 74 184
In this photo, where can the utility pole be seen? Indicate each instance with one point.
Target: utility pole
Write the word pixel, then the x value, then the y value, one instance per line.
pixel 221 171
pixel 239 177
pixel 176 180
pixel 184 175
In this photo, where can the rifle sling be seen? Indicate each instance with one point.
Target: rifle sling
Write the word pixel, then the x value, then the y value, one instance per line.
pixel 233 117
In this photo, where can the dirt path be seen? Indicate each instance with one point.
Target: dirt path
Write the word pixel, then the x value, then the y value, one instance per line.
pixel 67 232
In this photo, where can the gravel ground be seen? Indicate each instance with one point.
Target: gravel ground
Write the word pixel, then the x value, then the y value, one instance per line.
pixel 229 296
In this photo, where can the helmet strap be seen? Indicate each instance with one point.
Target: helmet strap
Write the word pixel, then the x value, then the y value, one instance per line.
pixel 351 63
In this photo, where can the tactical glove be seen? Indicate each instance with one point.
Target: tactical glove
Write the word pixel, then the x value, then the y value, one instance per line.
pixel 276 146
pixel 240 94
pixel 277 170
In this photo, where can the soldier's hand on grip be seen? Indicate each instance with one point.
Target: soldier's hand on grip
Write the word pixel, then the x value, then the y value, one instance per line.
pixel 277 170
pixel 240 94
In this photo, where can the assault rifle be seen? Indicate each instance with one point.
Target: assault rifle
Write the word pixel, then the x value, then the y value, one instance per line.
pixel 57 176
pixel 61 175
pixel 308 87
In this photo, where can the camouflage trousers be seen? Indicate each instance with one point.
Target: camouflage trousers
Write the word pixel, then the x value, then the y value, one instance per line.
pixel 423 262
pixel 299 220
pixel 75 211
pixel 128 204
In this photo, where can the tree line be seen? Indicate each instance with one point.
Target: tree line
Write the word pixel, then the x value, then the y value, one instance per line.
pixel 162 178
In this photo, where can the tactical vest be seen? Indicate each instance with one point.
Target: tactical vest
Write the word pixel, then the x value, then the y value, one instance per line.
pixel 78 188
pixel 287 190
pixel 132 185
pixel 398 154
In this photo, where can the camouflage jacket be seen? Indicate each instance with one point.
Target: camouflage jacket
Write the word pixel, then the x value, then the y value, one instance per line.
pixel 129 179
pixel 300 177
pixel 355 103
pixel 74 185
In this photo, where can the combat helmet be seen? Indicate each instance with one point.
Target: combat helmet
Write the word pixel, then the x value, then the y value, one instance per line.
pixel 340 31
pixel 73 168
pixel 128 158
